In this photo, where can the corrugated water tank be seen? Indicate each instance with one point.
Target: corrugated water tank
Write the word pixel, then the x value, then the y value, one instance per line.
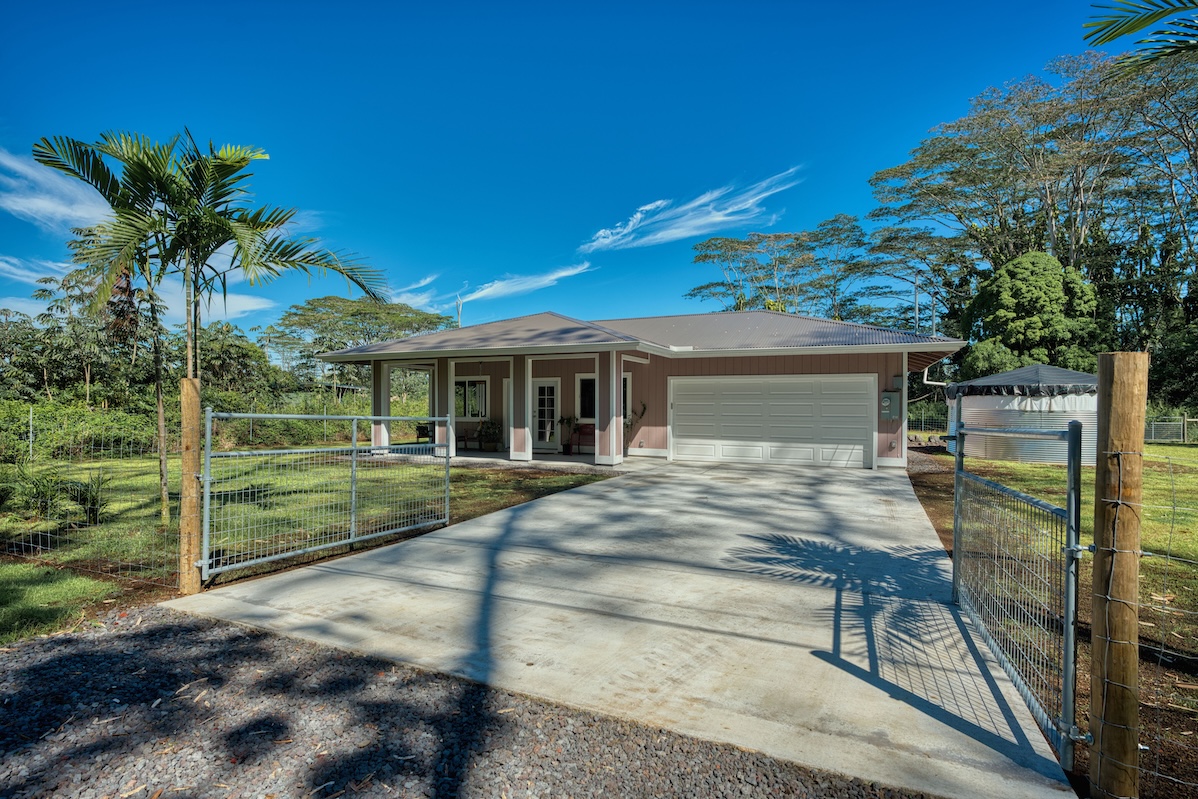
pixel 1037 397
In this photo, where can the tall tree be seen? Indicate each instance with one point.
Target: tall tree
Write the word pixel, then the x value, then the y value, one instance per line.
pixel 188 209
pixel 334 323
pixel 1031 310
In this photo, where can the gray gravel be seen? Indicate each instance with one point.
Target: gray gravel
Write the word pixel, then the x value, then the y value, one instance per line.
pixel 154 704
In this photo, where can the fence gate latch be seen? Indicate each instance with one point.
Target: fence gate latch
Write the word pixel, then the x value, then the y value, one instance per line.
pixel 1077 550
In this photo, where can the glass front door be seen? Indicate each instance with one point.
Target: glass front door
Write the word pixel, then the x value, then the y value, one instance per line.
pixel 545 414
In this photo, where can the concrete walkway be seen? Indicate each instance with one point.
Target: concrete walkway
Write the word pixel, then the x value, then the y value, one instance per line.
pixel 800 613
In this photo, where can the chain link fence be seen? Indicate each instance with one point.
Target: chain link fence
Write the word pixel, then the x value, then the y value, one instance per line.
pixel 91 490
pixel 264 505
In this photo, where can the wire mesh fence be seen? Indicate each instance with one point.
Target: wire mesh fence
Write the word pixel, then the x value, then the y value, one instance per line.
pixel 924 417
pixel 1162 429
pixel 1168 624
pixel 91 490
pixel 265 505
pixel 1011 560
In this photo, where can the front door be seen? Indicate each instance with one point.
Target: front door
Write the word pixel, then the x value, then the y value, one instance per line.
pixel 545 415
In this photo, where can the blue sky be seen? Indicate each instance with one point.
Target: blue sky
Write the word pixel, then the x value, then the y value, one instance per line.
pixel 525 156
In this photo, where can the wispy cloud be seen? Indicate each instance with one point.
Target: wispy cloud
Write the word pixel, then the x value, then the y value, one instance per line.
pixel 29 272
pixel 419 295
pixel 50 200
pixel 663 220
pixel 24 305
pixel 510 285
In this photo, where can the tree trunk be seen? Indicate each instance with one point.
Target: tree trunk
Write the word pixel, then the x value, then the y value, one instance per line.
pixel 189 326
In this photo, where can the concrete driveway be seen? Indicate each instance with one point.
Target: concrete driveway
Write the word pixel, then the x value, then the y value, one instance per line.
pixel 802 613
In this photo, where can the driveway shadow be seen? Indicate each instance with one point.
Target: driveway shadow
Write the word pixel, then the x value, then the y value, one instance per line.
pixel 889 631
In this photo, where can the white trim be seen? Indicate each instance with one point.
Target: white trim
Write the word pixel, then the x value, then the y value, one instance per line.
pixel 903 427
pixel 869 456
pixel 477 379
pixel 451 432
pixel 608 460
pixel 556 382
pixel 578 378
pixel 615 432
pixel 891 463
pixel 634 359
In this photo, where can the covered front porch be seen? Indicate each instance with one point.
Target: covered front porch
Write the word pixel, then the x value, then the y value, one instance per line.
pixel 548 407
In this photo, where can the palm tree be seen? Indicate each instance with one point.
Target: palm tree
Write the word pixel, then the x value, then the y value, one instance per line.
pixel 1132 16
pixel 183 206
pixel 173 209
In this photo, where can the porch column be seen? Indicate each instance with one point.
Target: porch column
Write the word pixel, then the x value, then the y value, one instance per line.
pixel 609 420
pixel 443 404
pixel 521 386
pixel 380 402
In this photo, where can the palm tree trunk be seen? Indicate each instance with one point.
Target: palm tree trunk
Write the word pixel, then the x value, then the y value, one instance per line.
pixel 189 329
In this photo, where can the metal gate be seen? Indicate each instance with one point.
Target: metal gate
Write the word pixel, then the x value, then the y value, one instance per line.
pixel 1015 576
pixel 262 505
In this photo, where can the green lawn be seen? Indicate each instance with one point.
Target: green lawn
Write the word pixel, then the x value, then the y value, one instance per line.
pixel 1168 577
pixel 40 599
pixel 262 505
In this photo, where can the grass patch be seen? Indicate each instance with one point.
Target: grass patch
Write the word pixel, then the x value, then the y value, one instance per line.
pixel 1168 588
pixel 41 599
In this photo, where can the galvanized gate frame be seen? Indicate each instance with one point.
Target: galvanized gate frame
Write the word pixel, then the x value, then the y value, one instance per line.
pixel 207 569
pixel 1060 724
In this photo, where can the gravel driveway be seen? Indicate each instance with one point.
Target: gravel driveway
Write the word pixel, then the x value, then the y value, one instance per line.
pixel 154 704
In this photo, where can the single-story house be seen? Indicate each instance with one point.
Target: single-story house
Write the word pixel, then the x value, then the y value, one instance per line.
pixel 750 386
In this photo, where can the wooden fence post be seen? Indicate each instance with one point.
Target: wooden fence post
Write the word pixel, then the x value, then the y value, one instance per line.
pixel 189 504
pixel 1115 640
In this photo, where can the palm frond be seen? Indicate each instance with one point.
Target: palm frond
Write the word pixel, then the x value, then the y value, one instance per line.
pixel 81 161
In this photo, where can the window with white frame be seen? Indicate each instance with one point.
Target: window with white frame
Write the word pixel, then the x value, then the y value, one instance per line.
pixel 585 397
pixel 470 398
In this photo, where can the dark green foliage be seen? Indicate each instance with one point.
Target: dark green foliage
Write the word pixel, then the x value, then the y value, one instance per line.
pixel 1030 310
pixel 89 495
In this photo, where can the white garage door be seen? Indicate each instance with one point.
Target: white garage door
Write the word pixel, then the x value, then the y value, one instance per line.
pixel 816 421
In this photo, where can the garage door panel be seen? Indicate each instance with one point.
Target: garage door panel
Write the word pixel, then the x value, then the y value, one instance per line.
pixel 736 430
pixel 780 453
pixel 842 455
pixel 784 409
pixel 695 451
pixel 816 420
pixel 742 452
pixel 792 432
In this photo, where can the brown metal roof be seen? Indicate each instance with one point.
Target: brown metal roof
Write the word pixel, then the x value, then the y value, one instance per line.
pixel 543 330
pixel 748 330
pixel 698 333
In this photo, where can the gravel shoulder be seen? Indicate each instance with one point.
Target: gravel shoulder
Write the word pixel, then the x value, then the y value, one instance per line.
pixel 154 704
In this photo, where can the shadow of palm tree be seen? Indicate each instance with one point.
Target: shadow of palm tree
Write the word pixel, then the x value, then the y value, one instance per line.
pixel 892 629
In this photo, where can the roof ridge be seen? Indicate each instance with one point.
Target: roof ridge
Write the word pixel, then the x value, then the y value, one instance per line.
pixel 592 325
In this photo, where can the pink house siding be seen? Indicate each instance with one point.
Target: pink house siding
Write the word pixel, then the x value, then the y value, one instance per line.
pixel 650 384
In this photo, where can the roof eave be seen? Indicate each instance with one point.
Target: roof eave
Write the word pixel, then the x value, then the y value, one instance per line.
pixel 477 352
pixel 947 347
